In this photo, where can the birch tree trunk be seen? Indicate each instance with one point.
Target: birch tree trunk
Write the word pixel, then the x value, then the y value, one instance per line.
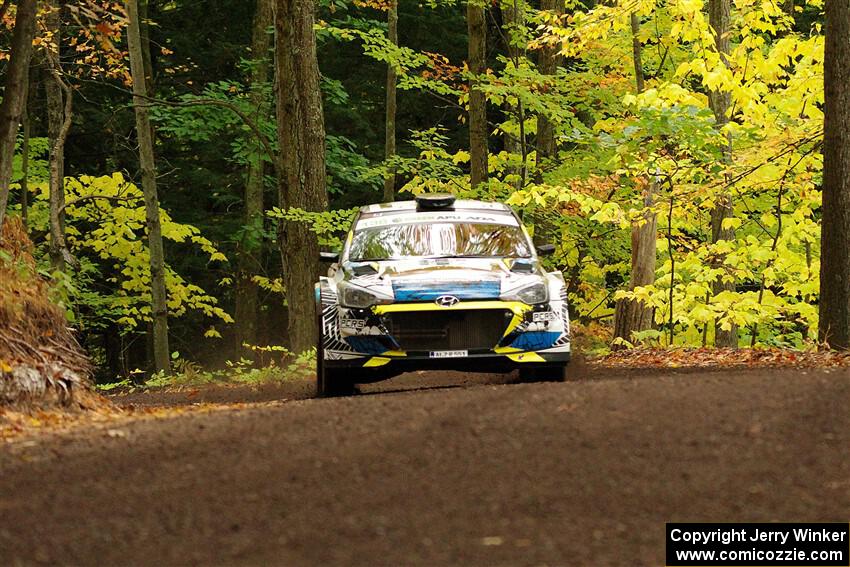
pixel 15 94
pixel 630 315
pixel 301 130
pixel 719 101
pixel 390 150
pixel 477 29
pixel 250 250
pixel 834 305
pixel 159 306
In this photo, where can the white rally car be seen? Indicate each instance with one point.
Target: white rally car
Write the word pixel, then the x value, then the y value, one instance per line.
pixel 438 284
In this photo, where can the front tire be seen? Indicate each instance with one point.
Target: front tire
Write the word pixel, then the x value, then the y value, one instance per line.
pixel 544 373
pixel 330 382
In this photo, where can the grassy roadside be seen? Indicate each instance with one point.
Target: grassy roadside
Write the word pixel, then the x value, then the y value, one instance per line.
pixel 725 358
pixel 244 372
pixel 189 390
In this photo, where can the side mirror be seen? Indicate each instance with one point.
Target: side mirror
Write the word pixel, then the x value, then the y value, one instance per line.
pixel 545 249
pixel 329 257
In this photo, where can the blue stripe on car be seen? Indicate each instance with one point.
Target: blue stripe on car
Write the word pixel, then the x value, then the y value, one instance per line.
pixel 366 344
pixel 535 340
pixel 424 291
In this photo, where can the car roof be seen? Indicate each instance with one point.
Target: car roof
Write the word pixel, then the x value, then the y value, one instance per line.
pixel 463 205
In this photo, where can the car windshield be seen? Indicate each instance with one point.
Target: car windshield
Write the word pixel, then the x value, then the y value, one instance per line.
pixel 438 240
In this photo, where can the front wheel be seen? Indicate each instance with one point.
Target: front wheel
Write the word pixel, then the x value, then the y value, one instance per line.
pixel 330 382
pixel 544 373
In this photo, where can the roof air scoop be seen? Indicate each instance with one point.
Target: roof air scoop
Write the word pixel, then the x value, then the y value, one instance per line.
pixel 435 202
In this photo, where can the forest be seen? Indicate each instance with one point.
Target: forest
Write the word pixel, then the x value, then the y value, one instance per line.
pixel 171 168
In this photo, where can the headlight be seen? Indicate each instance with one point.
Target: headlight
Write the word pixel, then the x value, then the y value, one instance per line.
pixel 535 293
pixel 353 296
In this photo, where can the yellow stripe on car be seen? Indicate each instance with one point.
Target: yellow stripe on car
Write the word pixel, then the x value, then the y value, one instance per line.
pixel 394 353
pixel 526 357
pixel 517 307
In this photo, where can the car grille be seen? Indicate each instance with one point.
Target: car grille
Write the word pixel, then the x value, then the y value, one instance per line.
pixel 469 329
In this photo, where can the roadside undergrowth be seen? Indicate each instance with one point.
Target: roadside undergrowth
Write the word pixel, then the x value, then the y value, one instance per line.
pixel 244 372
pixel 41 363
pixel 111 420
pixel 721 358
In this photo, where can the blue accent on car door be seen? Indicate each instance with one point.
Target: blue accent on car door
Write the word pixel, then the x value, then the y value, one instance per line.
pixel 429 291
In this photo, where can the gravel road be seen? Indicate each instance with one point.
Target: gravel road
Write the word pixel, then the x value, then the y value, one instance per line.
pixel 437 469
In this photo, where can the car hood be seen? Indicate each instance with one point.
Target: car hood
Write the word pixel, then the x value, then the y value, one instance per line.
pixel 427 279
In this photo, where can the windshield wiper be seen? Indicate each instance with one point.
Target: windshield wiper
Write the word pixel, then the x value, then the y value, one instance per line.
pixel 450 256
pixel 493 256
pixel 444 257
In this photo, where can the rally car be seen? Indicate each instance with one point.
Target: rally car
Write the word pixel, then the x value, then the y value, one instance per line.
pixel 438 283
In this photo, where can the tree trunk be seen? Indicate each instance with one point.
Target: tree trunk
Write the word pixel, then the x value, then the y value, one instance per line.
pixel 301 130
pixel 637 58
pixel 630 315
pixel 159 306
pixel 112 350
pixel 477 28
pixel 59 108
pixel 513 18
pixel 834 304
pixel 145 35
pixel 250 250
pixel 548 60
pixel 59 124
pixel 390 150
pixel 26 126
pixel 719 101
pixel 14 94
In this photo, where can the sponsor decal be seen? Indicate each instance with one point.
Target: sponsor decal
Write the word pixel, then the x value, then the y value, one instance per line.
pixel 543 316
pixel 352 324
pixel 436 217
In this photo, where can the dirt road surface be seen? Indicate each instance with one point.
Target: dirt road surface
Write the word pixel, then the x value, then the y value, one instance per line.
pixel 437 469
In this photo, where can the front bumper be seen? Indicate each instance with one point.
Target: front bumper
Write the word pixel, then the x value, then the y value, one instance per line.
pixel 362 338
pixel 376 368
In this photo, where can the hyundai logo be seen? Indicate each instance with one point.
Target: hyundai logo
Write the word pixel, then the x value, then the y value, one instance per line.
pixel 446 300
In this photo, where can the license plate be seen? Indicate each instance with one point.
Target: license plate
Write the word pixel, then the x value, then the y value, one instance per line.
pixel 449 353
